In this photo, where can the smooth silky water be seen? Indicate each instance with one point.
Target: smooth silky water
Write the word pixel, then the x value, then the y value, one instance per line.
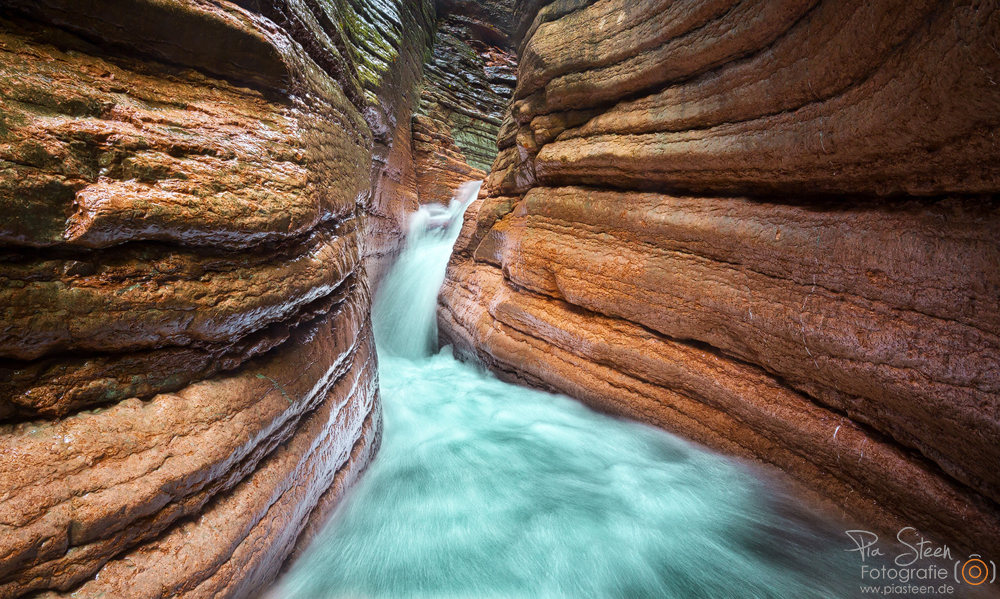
pixel 485 489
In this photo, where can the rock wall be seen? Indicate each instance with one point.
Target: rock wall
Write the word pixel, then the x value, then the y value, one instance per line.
pixel 187 372
pixel 767 226
pixel 468 81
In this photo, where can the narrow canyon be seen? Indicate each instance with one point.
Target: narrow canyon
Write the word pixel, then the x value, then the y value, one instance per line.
pixel 769 227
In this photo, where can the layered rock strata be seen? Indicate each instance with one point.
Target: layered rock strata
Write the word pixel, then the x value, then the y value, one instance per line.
pixel 768 226
pixel 468 81
pixel 187 371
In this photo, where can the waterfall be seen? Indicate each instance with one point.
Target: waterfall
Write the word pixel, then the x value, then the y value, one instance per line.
pixel 487 490
pixel 404 314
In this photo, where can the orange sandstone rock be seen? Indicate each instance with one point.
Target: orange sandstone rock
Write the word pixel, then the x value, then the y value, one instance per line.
pixel 767 226
pixel 188 379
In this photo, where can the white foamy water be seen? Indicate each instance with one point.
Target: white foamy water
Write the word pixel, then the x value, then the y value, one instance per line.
pixel 403 315
pixel 484 489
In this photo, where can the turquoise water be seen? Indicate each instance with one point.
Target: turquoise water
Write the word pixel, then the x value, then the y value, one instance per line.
pixel 484 489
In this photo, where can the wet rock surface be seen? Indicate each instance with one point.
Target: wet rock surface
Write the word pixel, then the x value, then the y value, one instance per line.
pixel 468 81
pixel 390 67
pixel 187 371
pixel 770 227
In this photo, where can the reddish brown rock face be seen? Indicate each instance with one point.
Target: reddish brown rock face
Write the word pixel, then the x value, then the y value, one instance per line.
pixel 767 226
pixel 187 371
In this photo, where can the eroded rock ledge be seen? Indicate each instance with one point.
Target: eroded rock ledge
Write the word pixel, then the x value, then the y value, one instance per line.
pixel 187 371
pixel 768 226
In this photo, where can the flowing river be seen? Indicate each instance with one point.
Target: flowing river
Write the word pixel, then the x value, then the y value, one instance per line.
pixel 488 490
